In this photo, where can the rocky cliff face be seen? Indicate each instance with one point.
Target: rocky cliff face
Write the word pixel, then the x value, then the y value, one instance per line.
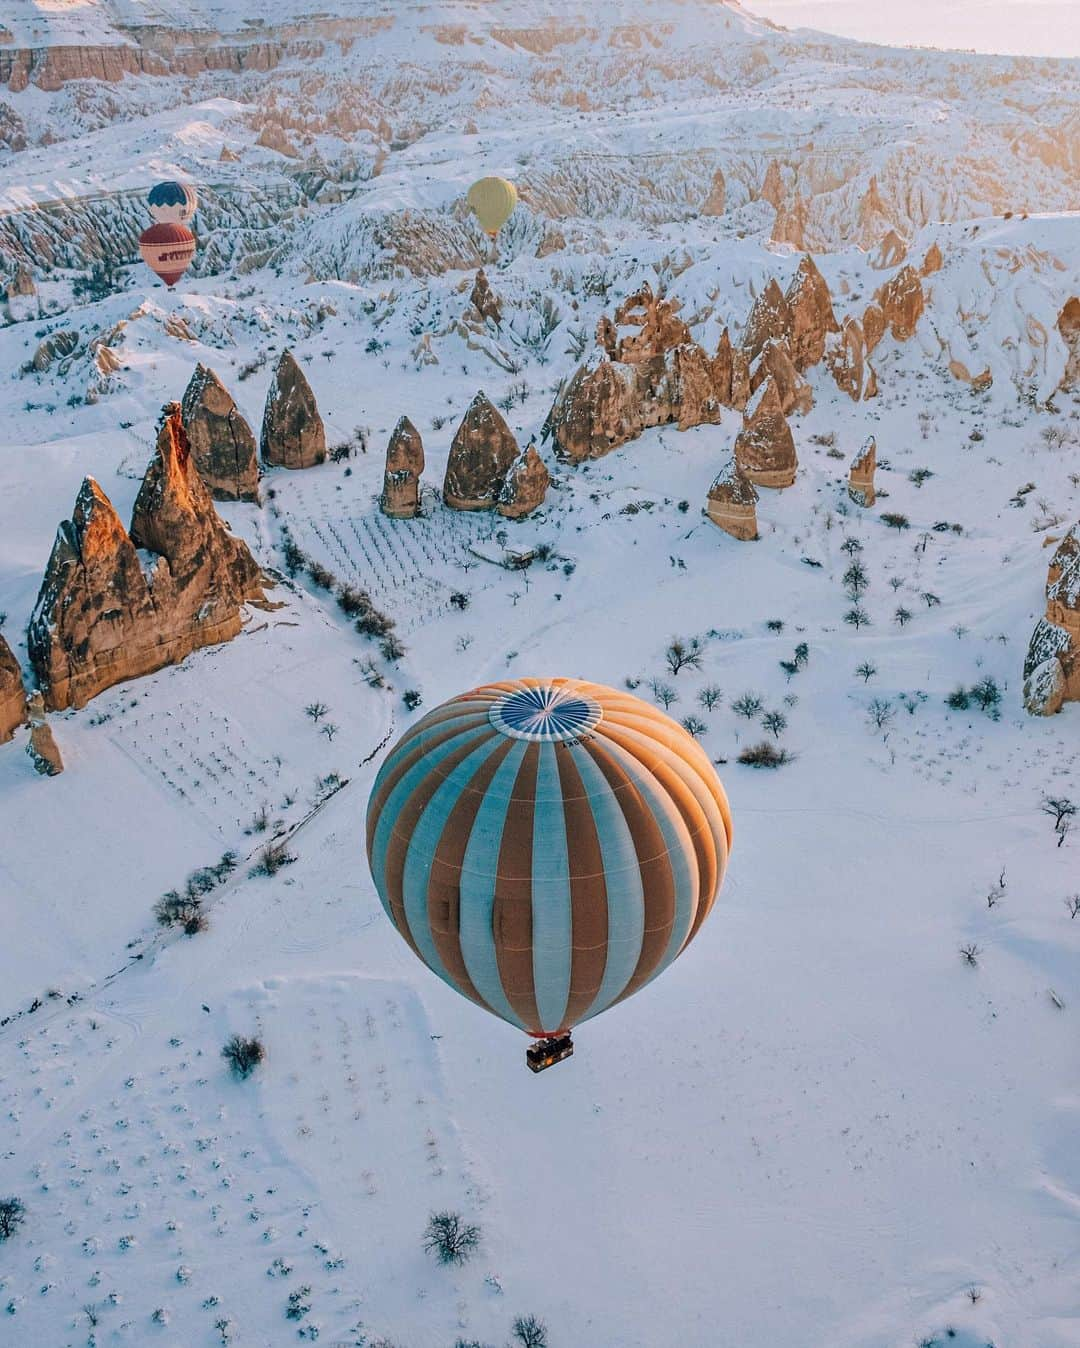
pixel 902 302
pixel 114 605
pixel 221 441
pixel 481 455
pixel 404 464
pixel 650 373
pixel 1052 666
pixel 796 396
pixel 292 429
pixel 12 693
pixel 765 447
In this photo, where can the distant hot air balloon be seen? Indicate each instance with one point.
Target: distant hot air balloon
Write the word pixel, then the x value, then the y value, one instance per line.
pixel 172 203
pixel 167 249
pixel 493 201
pixel 547 847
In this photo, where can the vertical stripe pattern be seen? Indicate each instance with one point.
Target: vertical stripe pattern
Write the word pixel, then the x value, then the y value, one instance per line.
pixel 547 846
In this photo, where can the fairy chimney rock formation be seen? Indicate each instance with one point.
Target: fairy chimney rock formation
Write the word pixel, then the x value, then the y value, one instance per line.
pixel 765 448
pixel 599 410
pixel 715 201
pixel 12 693
pixel 292 430
pixel 404 464
pixel 1052 666
pixel 769 317
pixel 526 485
pixel 1068 326
pixel 846 356
pixel 810 314
pixel 873 326
pixel 732 503
pixel 932 262
pixel 789 223
pixel 772 187
pixel 902 302
pixel 221 440
pixel 861 474
pixel 42 747
pixel 108 612
pixel 890 252
pixel 484 300
pixel 480 458
pixel 658 327
pixel 796 394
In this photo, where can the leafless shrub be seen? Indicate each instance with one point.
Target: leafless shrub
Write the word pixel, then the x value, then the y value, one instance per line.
pixel 243 1055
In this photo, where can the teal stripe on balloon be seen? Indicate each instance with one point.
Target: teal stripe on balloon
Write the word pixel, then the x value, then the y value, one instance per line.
pixel 403 789
pixel 622 877
pixel 478 873
pixel 423 844
pixel 551 910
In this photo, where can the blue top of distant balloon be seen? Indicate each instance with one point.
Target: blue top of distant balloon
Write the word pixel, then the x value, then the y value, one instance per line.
pixel 168 194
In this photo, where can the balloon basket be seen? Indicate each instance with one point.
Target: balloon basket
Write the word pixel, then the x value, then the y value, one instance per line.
pixel 547 1052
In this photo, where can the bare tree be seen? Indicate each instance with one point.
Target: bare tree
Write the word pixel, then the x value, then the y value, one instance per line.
pixel 1072 903
pixel 881 712
pixel 1063 812
pixel 695 725
pixel 866 671
pixel 330 730
pixel 530 1332
pixel 775 722
pixel 856 580
pixel 710 696
pixel 970 955
pixel 12 1216
pixel 857 617
pixel 682 654
pixel 663 692
pixel 902 616
pixel 316 710
pixel 243 1055
pixel 747 706
pixel 450 1238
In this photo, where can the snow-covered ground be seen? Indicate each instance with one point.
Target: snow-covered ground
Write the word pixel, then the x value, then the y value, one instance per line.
pixel 822 1126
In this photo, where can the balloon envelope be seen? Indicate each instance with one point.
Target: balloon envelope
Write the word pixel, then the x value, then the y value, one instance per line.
pixel 493 201
pixel 547 846
pixel 167 249
pixel 172 203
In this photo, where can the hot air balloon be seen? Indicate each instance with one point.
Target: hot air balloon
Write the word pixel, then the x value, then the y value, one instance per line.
pixel 167 249
pixel 172 203
pixel 547 847
pixel 493 201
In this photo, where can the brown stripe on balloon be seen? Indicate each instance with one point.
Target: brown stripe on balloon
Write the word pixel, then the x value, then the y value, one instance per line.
pixel 511 916
pixel 588 889
pixel 459 724
pixel 710 871
pixel 401 835
pixel 657 877
pixel 444 880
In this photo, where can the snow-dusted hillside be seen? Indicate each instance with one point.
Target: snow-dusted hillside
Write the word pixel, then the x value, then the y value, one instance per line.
pixel 823 1126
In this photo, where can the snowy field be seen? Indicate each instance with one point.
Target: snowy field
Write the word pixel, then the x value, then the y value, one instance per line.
pixel 823 1125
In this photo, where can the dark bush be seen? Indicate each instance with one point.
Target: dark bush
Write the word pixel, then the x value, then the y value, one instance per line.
pixel 243 1055
pixel 12 1216
pixel 764 755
